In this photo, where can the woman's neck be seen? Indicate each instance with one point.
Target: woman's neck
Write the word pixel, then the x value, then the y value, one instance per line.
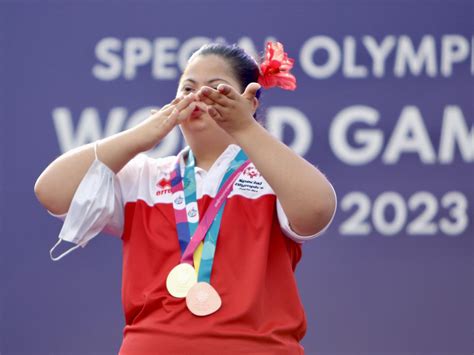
pixel 205 157
pixel 206 152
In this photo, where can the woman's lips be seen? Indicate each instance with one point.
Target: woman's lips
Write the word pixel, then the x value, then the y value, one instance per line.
pixel 198 111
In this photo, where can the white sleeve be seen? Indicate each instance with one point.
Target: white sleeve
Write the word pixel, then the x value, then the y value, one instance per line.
pixel 122 181
pixel 290 233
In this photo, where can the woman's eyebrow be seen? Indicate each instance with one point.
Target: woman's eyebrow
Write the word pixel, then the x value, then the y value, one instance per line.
pixel 209 81
pixel 217 79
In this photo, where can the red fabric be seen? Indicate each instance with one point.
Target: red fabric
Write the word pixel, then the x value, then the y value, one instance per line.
pixel 253 272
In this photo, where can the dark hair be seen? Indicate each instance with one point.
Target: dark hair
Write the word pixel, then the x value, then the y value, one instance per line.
pixel 245 68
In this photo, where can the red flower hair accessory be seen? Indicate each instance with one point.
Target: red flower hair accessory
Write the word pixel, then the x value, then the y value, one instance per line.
pixel 275 69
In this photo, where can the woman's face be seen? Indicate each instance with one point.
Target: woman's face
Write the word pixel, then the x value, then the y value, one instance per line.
pixel 204 70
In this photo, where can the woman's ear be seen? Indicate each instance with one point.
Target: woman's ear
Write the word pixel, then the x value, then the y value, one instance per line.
pixel 255 104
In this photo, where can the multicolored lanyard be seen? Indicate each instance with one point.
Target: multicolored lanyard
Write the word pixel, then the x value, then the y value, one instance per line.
pixel 210 242
pixel 201 298
pixel 185 202
pixel 187 214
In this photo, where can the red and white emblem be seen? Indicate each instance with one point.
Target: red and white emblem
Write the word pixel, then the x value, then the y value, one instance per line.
pixel 163 186
pixel 251 172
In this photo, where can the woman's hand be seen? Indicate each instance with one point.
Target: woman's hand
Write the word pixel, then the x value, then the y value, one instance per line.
pixel 232 111
pixel 161 122
pixel 57 184
pixel 310 203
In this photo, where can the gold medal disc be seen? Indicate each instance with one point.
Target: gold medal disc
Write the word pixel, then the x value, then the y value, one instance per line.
pixel 180 280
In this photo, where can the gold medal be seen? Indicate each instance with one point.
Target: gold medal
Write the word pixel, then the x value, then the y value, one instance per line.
pixel 203 300
pixel 180 280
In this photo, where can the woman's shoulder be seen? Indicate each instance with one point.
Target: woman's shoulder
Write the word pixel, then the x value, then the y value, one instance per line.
pixel 145 167
pixel 147 160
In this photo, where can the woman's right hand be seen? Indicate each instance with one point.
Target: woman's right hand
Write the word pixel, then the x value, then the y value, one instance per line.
pixel 56 185
pixel 161 122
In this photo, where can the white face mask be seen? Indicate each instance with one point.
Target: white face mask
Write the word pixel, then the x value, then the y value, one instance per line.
pixel 91 208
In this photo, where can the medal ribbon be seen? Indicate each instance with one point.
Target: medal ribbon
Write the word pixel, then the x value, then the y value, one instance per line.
pixel 214 211
pixel 192 209
pixel 190 195
pixel 209 249
pixel 179 206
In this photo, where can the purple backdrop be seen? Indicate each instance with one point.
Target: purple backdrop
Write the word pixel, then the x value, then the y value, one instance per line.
pixel 384 107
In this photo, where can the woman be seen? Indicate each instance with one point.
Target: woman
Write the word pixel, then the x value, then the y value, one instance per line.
pixel 275 202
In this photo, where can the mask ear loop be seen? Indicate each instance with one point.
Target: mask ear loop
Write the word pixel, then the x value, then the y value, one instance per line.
pixel 96 144
pixel 63 254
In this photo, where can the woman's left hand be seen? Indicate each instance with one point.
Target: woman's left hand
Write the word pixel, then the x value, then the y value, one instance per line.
pixel 232 111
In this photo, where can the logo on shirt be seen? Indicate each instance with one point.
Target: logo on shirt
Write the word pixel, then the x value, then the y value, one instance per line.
pixel 250 180
pixel 163 186
pixel 251 172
